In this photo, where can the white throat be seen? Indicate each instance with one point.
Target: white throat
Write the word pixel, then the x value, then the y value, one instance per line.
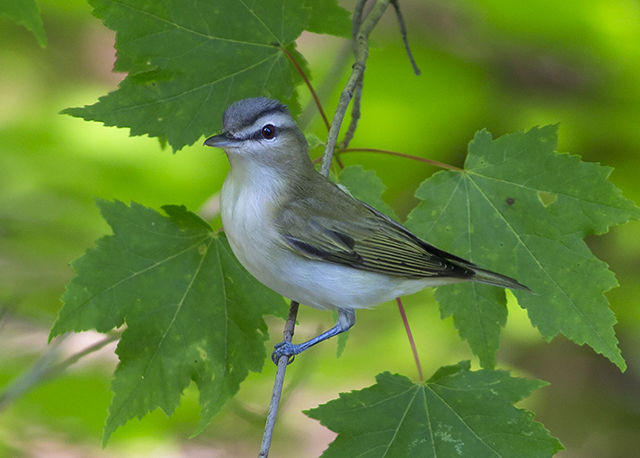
pixel 249 198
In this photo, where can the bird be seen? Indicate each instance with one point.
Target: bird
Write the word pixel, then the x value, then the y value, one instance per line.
pixel 309 240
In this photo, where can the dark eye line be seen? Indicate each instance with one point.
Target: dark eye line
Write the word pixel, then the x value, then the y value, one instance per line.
pixel 255 136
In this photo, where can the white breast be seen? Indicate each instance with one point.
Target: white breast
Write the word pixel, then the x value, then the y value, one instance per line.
pixel 248 199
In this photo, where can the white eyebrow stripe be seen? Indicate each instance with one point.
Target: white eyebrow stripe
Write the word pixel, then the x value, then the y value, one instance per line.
pixel 277 119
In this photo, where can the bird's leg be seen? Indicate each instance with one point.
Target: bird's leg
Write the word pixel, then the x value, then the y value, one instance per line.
pixel 346 319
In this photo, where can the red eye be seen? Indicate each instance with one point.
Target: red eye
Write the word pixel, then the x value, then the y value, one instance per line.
pixel 268 131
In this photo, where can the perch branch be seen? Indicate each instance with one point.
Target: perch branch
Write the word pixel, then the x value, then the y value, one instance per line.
pixel 278 383
pixel 361 52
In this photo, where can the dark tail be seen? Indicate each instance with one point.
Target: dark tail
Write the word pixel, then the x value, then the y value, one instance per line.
pixel 496 279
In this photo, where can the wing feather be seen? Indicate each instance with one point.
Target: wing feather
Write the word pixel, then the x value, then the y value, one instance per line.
pixel 353 233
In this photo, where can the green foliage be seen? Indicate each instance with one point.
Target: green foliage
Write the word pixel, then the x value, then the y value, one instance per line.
pixel 25 13
pixel 522 209
pixel 326 17
pixel 177 285
pixel 191 310
pixel 366 186
pixel 188 61
pixel 455 413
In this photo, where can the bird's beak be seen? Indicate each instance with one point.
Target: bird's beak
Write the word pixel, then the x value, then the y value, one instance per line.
pixel 221 141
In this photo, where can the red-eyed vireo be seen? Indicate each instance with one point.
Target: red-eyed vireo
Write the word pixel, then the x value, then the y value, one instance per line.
pixel 305 238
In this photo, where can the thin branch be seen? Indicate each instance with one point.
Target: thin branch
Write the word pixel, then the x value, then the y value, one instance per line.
pixel 410 337
pixel 355 115
pixel 357 97
pixel 361 53
pixel 357 19
pixel 406 156
pixel 328 84
pixel 44 369
pixel 308 83
pixel 112 337
pixel 403 32
pixel 287 334
pixel 339 161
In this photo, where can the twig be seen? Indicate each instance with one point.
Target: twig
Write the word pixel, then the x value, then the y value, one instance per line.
pixel 412 342
pixel 44 368
pixel 403 32
pixel 308 83
pixel 357 97
pixel 112 337
pixel 357 20
pixel 406 156
pixel 278 383
pixel 327 85
pixel 355 115
pixel 361 53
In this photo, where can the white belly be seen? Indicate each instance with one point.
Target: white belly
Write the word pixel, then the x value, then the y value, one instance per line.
pixel 246 210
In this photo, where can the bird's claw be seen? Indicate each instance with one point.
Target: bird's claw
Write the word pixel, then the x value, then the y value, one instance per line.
pixel 284 349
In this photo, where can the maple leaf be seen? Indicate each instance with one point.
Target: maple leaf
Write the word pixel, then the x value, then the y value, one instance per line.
pixel 187 61
pixel 366 186
pixel 522 209
pixel 25 13
pixel 191 310
pixel 456 412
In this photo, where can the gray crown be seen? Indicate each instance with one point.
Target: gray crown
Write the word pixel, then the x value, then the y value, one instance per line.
pixel 244 112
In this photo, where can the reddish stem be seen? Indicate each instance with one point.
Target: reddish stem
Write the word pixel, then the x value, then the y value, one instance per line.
pixel 410 336
pixel 308 83
pixel 406 156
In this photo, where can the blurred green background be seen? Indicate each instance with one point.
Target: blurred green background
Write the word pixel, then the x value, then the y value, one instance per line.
pixel 491 63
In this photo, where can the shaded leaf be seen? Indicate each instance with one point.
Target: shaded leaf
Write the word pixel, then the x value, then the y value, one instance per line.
pixel 523 210
pixel 327 17
pixel 366 186
pixel 25 13
pixel 191 310
pixel 455 413
pixel 188 61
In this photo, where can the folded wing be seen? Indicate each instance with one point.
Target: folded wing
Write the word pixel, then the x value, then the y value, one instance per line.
pixel 346 231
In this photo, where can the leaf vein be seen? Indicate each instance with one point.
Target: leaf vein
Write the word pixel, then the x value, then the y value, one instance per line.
pixel 429 425
pixel 574 306
pixel 193 89
pixel 462 420
pixel 164 335
pixel 400 422
pixel 186 29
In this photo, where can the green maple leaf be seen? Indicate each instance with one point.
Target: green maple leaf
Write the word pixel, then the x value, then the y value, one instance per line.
pixel 187 61
pixel 25 13
pixel 455 413
pixel 523 210
pixel 191 310
pixel 366 186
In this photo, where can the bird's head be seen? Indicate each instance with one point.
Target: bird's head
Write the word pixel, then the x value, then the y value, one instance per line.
pixel 262 130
